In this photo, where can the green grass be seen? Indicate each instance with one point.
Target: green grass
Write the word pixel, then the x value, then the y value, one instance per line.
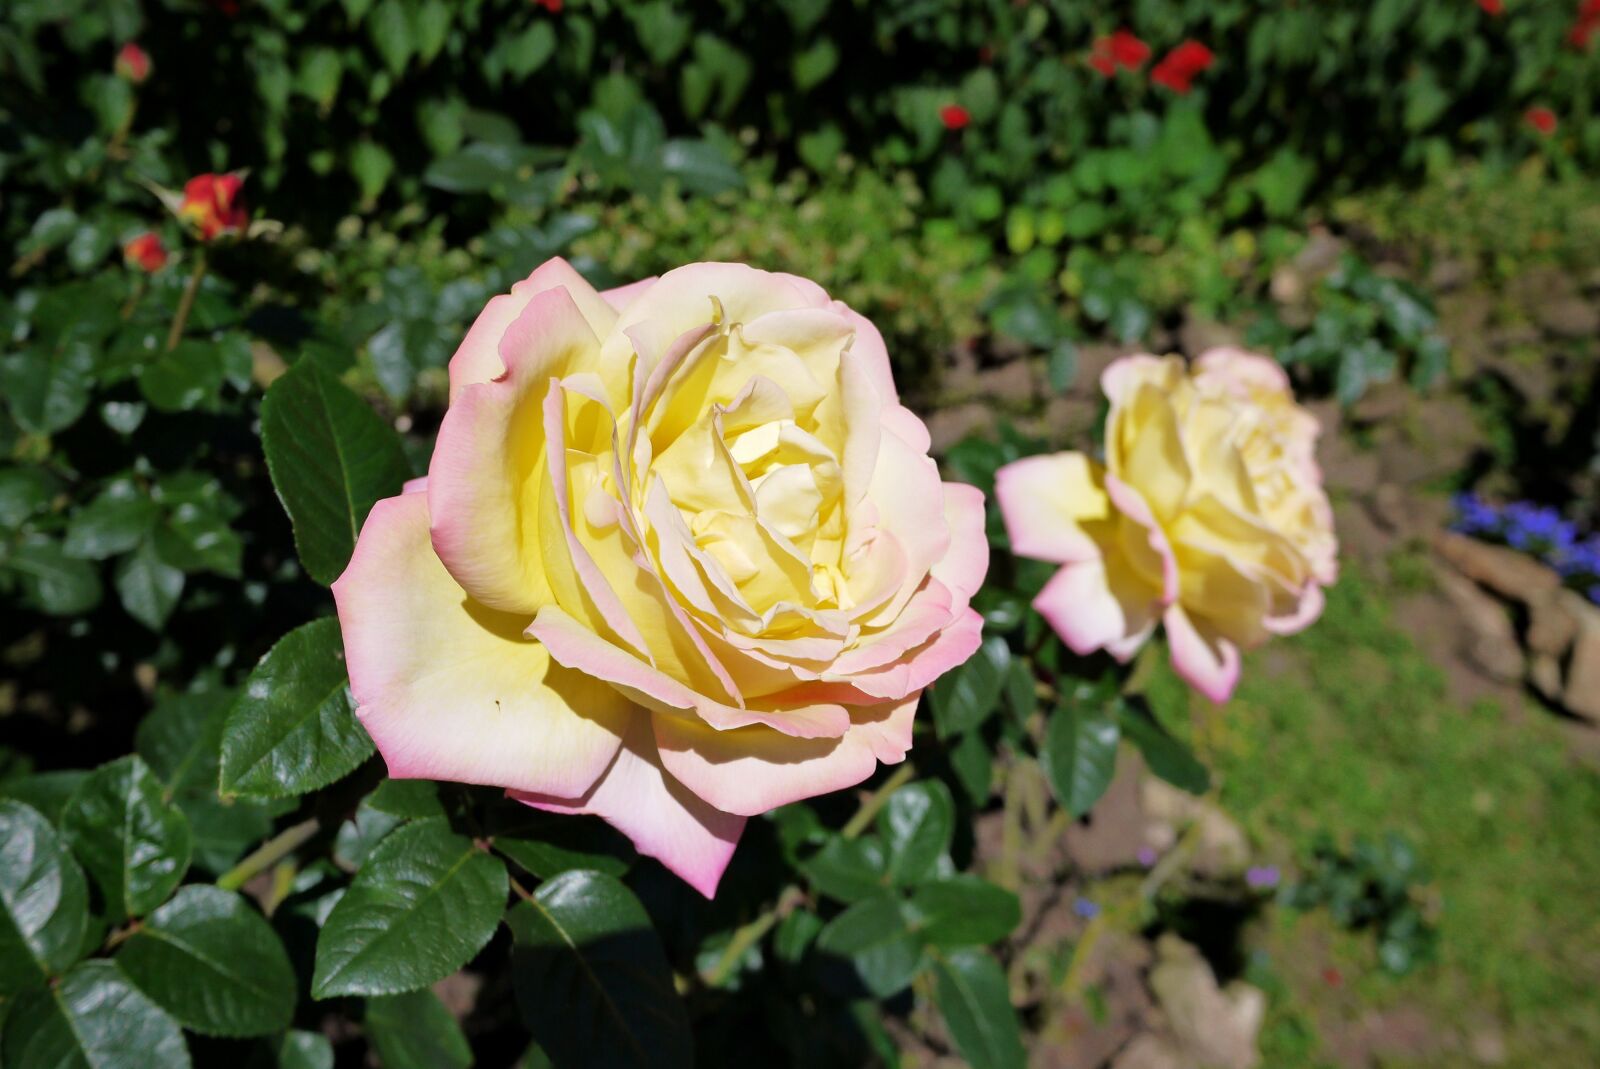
pixel 1348 729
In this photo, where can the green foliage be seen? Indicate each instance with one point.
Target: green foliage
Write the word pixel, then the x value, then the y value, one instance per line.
pixel 293 729
pixel 424 902
pixel 592 982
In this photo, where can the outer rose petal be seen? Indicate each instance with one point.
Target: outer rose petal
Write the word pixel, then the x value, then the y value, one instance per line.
pixel 487 456
pixel 754 769
pixel 1046 500
pixel 449 689
pixel 478 359
pixel 1206 661
pixel 664 819
pixel 967 561
pixel 1099 604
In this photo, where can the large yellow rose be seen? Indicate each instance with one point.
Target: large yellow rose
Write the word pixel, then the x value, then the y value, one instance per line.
pixel 680 557
pixel 1208 514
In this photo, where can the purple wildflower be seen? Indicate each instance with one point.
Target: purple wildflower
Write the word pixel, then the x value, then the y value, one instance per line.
pixel 1262 877
pixel 1147 856
pixel 1086 908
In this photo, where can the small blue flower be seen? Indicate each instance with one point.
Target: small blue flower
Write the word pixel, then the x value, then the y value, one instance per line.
pixel 1086 908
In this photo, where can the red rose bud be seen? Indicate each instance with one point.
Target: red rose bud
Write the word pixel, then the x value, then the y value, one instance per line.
pixel 133 64
pixel 1541 119
pixel 145 252
pixel 1120 49
pixel 954 116
pixel 211 205
pixel 1178 68
pixel 1492 7
pixel 552 6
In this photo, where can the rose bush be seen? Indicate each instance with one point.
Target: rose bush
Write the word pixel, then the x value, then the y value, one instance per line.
pixel 680 557
pixel 1207 514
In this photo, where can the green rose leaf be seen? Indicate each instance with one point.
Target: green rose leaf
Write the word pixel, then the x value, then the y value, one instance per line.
pixel 114 522
pixel 93 1019
pixel 330 456
pixel 133 841
pixel 592 980
pixel 875 937
pixel 964 697
pixel 51 581
pixel 547 844
pixel 214 963
pixel 300 1050
pixel 963 910
pixel 1167 757
pixel 849 869
pixel 148 586
pixel 916 825
pixel 426 900
pixel 416 1031
pixel 975 999
pixel 43 900
pixel 47 392
pixel 1080 754
pixel 294 728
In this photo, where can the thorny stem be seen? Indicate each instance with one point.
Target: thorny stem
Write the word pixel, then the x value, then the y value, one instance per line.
pixel 268 854
pixel 186 302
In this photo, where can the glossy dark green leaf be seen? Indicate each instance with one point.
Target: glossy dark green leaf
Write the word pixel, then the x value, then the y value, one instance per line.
pixel 592 981
pixel 191 376
pixel 93 1019
pixel 51 581
pixel 413 799
pixel 415 1031
pixel 148 586
pixel 134 842
pixel 293 728
pixel 44 900
pixel 209 959
pixel 24 492
pixel 1079 754
pixel 849 869
pixel 916 825
pixel 295 1050
pixel 963 910
pixel 548 844
pixel 47 391
pixel 331 456
pixel 181 740
pixel 1167 757
pixel 975 999
pixel 114 522
pixel 973 764
pixel 964 697
pixel 47 792
pixel 426 900
pixel 875 937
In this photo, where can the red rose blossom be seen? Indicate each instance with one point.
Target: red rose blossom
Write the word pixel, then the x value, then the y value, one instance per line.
pixel 133 64
pixel 1588 23
pixel 1178 68
pixel 954 116
pixel 146 252
pixel 1492 7
pixel 552 6
pixel 211 205
pixel 1541 119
